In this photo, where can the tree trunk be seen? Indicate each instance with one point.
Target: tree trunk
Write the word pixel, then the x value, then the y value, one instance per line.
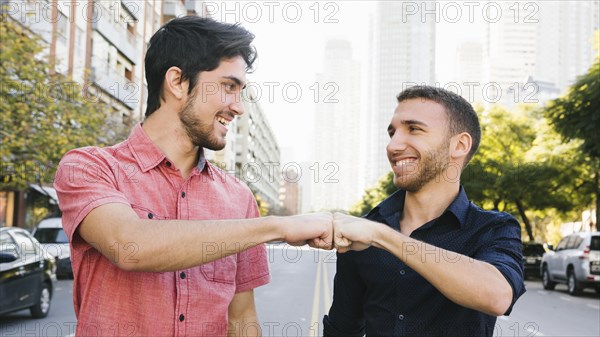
pixel 525 219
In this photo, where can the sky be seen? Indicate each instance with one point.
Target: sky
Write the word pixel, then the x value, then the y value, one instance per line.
pixel 290 40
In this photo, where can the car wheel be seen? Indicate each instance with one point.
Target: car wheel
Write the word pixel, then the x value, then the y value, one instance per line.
pixel 42 307
pixel 546 281
pixel 574 286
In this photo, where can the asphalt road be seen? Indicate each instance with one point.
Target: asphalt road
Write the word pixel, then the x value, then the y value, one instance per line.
pixel 301 290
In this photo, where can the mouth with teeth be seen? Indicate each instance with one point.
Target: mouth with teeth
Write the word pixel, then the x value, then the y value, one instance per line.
pixel 223 121
pixel 404 165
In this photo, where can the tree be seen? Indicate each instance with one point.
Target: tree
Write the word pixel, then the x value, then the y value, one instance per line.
pixel 43 114
pixel 374 195
pixel 520 167
pixel 577 116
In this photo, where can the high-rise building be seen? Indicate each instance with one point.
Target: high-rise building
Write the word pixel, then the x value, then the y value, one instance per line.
pixel 290 193
pixel 469 70
pixel 550 41
pixel 402 54
pixel 337 130
pixel 98 42
pixel 257 155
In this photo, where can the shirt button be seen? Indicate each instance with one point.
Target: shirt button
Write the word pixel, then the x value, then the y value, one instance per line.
pixel 400 317
pixel 168 164
pixel 181 318
pixel 182 275
pixel 402 272
pixel 150 215
pixel 183 194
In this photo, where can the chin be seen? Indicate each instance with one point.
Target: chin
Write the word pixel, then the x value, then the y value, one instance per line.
pixel 214 147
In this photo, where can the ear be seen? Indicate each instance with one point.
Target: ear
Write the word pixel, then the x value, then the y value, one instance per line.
pixel 174 85
pixel 460 146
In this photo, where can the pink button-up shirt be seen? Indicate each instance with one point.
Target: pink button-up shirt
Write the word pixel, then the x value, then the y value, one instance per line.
pixel 193 302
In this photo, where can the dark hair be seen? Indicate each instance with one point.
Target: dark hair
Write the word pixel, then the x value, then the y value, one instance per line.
pixel 461 115
pixel 194 44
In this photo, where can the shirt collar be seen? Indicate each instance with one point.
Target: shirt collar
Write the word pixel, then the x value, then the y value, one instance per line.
pixel 395 204
pixel 148 155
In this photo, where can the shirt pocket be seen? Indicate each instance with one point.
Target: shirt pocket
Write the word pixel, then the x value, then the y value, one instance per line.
pixel 146 213
pixel 221 270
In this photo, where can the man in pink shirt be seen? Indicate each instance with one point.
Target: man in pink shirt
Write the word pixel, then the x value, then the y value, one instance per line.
pixel 163 242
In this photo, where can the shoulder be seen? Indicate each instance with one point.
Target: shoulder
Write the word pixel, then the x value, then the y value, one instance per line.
pixel 231 182
pixel 93 154
pixel 478 214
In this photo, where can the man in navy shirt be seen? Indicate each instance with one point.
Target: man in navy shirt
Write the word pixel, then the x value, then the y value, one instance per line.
pixel 426 261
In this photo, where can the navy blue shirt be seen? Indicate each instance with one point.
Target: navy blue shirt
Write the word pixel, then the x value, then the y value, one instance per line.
pixel 377 294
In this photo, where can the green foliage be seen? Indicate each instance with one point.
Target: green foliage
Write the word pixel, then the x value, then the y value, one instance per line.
pixel 577 115
pixel 374 195
pixel 514 164
pixel 263 206
pixel 43 114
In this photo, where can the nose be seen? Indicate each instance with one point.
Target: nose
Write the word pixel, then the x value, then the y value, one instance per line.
pixel 237 105
pixel 397 143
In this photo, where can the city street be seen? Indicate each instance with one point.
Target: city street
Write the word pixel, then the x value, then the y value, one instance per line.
pixel 301 290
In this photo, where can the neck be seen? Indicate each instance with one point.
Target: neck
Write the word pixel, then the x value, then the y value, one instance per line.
pixel 170 137
pixel 427 204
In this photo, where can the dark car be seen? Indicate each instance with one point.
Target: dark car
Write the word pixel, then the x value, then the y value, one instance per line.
pixel 532 258
pixel 27 274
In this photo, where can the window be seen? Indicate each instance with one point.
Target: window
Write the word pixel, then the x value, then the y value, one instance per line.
pixel 572 243
pixel 51 235
pixel 25 245
pixel 7 244
pixel 595 243
pixel 562 244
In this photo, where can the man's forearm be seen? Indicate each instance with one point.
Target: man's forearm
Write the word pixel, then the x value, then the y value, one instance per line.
pixel 172 245
pixel 135 244
pixel 471 283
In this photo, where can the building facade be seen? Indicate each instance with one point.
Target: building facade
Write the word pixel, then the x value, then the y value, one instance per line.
pixel 337 131
pixel 403 54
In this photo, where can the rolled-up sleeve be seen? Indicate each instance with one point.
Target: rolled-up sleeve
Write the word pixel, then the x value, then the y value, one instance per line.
pixel 504 252
pixel 346 313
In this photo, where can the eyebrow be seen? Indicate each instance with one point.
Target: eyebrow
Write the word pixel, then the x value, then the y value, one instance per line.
pixel 413 122
pixel 407 122
pixel 236 80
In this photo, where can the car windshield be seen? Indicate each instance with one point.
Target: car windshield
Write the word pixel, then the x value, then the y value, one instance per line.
pixel 51 235
pixel 595 244
pixel 533 250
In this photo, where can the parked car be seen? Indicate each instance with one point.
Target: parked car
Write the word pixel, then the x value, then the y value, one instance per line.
pixel 575 262
pixel 54 241
pixel 27 274
pixel 532 258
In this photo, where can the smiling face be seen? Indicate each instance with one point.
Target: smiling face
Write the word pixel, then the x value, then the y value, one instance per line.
pixel 214 103
pixel 419 147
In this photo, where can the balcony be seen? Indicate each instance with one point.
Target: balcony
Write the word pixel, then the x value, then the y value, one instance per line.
pixel 125 90
pixel 127 43
pixel 135 8
pixel 173 9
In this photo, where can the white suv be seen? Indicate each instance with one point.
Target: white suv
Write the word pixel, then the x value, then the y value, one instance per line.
pixel 576 262
pixel 54 241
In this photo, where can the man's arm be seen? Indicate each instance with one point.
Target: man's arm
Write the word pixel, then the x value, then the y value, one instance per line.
pixel 242 316
pixel 136 244
pixel 468 282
